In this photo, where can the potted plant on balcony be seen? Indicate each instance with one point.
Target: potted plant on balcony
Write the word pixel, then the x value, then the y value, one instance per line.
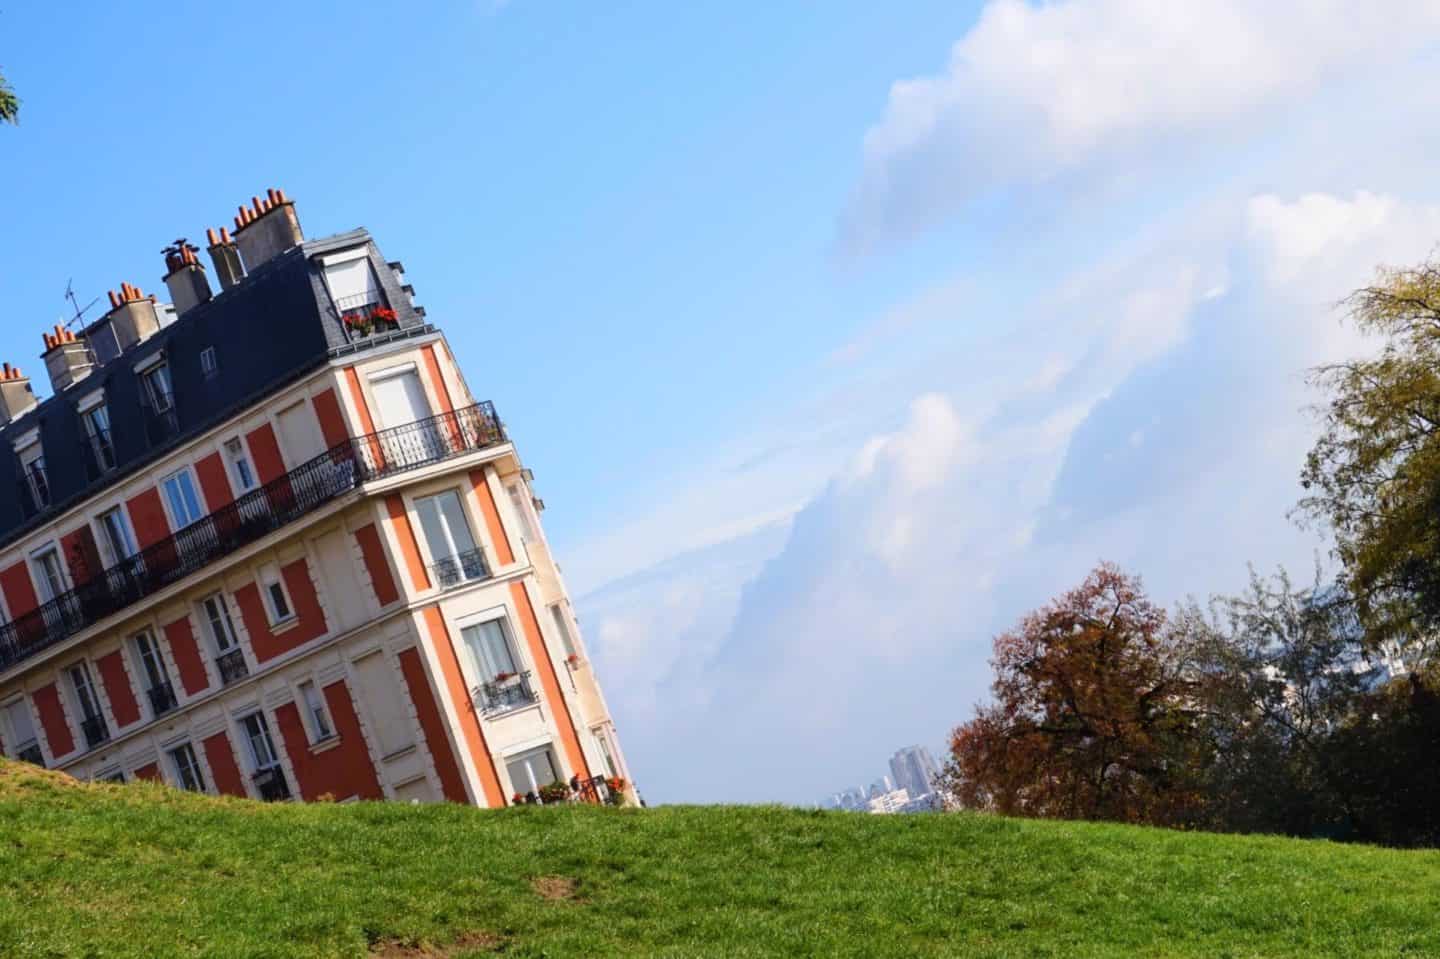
pixel 555 792
pixel 615 787
pixel 573 660
pixel 500 677
pixel 370 320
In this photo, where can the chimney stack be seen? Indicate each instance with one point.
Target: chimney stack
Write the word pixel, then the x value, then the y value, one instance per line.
pixel 226 258
pixel 132 316
pixel 185 277
pixel 267 227
pixel 16 399
pixel 67 359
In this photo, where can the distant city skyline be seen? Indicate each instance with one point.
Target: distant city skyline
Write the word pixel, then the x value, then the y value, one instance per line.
pixel 910 786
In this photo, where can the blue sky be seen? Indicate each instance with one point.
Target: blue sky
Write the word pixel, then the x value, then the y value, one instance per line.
pixel 837 335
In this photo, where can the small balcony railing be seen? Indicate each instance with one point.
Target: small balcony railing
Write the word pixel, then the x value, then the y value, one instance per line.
pixel 503 694
pixel 232 666
pixel 271 784
pixel 29 752
pixel 308 487
pixel 162 698
pixel 457 570
pixel 95 731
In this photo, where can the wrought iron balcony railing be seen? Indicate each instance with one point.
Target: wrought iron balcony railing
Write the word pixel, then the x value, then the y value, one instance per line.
pixel 232 666
pixel 162 698
pixel 308 487
pixel 95 731
pixel 503 695
pixel 456 570
pixel 271 784
pixel 30 753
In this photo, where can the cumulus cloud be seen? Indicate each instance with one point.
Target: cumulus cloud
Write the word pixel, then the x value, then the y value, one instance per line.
pixel 1035 90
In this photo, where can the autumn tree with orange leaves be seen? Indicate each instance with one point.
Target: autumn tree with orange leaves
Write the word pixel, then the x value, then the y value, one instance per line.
pixel 1093 714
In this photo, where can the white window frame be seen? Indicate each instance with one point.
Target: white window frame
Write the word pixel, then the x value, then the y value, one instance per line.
pixel 13 742
pixel 105 540
pixel 179 768
pixel 501 615
pixel 175 520
pixel 137 649
pixel 234 462
pixel 77 699
pixel 318 722
pixel 569 642
pixel 453 550
pixel 30 453
pixel 523 756
pixel 146 372
pixel 209 363
pixel 92 432
pixel 270 581
pixel 37 571
pixel 232 639
pixel 255 763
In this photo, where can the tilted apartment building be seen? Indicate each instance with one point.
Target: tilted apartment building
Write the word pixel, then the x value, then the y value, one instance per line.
pixel 265 542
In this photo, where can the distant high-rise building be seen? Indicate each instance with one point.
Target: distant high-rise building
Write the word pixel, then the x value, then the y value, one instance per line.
pixel 914 770
pixel 881 786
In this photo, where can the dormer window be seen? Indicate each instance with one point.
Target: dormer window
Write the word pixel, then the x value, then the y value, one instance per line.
pixel 95 417
pixel 157 388
pixel 32 469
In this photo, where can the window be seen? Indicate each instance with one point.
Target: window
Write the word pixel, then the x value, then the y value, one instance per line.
pixel 277 601
pixel 116 535
pixel 262 749
pixel 209 365
pixel 351 281
pixel 522 512
pixel 32 464
pixel 92 723
pixel 48 575
pixel 181 498
pixel 116 776
pixel 529 771
pixel 315 715
pixel 157 388
pixel 97 433
pixel 24 744
pixel 241 472
pixel 152 669
pixel 217 615
pixel 562 625
pixel 603 741
pixel 187 769
pixel 491 651
pixel 453 555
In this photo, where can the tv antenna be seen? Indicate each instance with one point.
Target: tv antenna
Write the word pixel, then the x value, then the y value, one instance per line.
pixel 79 318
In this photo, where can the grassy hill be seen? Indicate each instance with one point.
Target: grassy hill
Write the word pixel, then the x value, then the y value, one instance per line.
pixel 91 870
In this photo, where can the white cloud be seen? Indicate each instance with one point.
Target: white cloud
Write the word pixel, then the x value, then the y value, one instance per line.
pixel 1037 89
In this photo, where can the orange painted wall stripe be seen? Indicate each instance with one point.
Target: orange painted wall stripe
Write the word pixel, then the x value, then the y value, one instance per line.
pixel 432 724
pixel 548 680
pixel 357 396
pixel 409 545
pixel 332 421
pixel 437 381
pixel 460 696
pixel 503 554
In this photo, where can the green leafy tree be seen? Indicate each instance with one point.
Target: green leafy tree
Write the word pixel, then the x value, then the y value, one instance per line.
pixel 1373 476
pixel 9 102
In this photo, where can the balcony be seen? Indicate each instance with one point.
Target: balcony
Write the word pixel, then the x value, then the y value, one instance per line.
pixel 502 695
pixel 95 731
pixel 305 489
pixel 232 666
pixel 458 570
pixel 162 699
pixel 271 784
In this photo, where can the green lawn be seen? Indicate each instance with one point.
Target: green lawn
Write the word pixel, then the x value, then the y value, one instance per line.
pixel 145 871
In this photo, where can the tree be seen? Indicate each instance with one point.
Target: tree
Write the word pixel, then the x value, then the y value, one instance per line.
pixel 1373 476
pixel 9 103
pixel 1092 716
pixel 1282 669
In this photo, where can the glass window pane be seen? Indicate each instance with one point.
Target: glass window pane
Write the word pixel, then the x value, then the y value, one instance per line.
pixel 455 522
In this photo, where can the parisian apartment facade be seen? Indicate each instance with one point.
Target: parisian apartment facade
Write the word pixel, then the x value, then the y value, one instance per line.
pixel 265 542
